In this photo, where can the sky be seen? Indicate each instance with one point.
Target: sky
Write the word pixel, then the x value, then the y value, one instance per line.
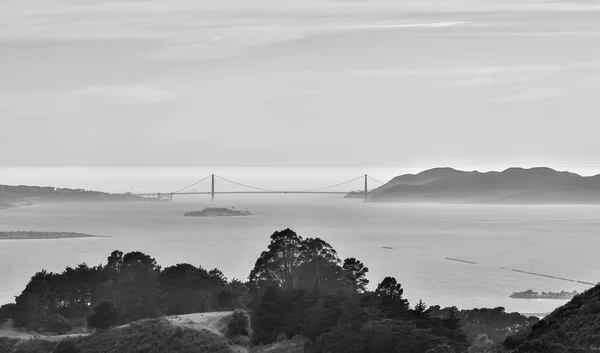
pixel 194 83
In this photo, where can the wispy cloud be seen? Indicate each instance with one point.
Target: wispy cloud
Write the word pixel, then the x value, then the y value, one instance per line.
pixel 483 81
pixel 492 70
pixel 549 91
pixel 127 94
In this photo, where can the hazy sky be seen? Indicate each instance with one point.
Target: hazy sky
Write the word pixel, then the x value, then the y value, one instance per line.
pixel 298 83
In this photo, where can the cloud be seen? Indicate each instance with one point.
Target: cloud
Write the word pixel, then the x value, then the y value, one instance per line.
pixel 549 92
pixel 483 81
pixel 127 95
pixel 482 71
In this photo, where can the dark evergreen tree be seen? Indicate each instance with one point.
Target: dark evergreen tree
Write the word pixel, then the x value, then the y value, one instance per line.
pixel 356 272
pixel 105 315
pixel 267 316
pixel 390 293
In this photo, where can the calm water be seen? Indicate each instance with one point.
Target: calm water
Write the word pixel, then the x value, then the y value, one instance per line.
pixel 555 240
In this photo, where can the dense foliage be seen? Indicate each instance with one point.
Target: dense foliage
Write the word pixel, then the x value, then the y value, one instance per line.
pixel 148 336
pixel 496 323
pixel 574 327
pixel 129 287
pixel 301 287
pixel 298 288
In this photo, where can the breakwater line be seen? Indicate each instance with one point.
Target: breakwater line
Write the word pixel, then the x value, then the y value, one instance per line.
pixel 515 270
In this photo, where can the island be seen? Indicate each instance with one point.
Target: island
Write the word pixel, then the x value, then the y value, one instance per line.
pixel 539 185
pixel 43 235
pixel 529 294
pixel 216 212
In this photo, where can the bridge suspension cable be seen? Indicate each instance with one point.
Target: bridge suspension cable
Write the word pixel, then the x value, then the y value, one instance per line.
pixel 271 190
pixel 244 185
pixel 380 182
pixel 332 186
pixel 194 184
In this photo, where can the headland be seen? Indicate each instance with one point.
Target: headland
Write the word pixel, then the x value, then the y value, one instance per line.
pixel 44 235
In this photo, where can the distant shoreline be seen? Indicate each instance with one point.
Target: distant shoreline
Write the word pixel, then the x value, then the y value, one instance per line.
pixel 20 235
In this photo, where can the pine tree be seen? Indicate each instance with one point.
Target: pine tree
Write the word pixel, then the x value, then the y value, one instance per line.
pixel 419 310
pixel 452 321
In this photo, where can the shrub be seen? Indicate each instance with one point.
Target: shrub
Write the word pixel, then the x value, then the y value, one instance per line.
pixel 105 316
pixel 6 312
pixel 512 342
pixel 66 346
pixel 154 336
pixel 8 344
pixel 482 344
pixel 58 324
pixel 34 346
pixel 239 324
pixel 243 341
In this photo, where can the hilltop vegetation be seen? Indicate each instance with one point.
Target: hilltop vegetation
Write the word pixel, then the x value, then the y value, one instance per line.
pixel 574 327
pixel 148 336
pixel 513 185
pixel 300 296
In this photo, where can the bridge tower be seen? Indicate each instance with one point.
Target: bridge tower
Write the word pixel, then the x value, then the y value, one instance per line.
pixel 366 189
pixel 212 189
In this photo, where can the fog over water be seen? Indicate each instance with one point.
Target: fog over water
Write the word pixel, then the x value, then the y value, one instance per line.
pixel 553 240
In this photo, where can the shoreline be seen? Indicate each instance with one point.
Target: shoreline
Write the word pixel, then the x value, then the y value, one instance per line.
pixel 32 235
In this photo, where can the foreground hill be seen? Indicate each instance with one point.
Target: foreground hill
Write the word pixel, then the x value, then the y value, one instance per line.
pixel 513 185
pixel 204 332
pixel 574 327
pixel 11 196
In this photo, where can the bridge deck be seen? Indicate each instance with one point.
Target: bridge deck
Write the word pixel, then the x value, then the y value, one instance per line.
pixel 243 192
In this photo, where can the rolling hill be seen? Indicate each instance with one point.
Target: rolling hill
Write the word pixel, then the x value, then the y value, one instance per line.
pixel 573 327
pixel 514 185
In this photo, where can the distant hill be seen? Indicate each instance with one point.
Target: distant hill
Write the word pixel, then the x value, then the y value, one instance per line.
pixel 22 194
pixel 513 185
pixel 574 327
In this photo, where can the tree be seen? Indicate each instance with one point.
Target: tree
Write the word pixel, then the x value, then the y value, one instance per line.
pixel 389 293
pixel 267 317
pixel 279 265
pixel 320 266
pixel 482 344
pixel 356 272
pixel 138 282
pixel 105 315
pixel 6 312
pixel 185 289
pixel 36 300
pixel 420 309
pixel 452 321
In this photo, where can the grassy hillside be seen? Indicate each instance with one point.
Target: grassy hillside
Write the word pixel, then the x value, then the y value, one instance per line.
pixel 149 336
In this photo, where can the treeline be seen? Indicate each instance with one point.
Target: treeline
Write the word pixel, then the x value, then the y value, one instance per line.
pixel 496 323
pixel 129 287
pixel 298 288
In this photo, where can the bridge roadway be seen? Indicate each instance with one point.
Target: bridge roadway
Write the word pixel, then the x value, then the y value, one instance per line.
pixel 243 192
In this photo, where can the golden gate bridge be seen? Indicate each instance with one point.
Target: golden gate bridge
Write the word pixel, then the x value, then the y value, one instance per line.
pixel 256 190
